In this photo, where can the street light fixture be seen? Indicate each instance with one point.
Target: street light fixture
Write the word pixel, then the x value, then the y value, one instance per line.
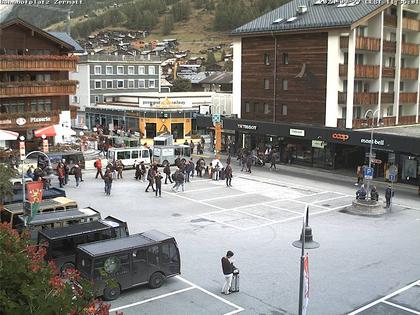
pixel 374 113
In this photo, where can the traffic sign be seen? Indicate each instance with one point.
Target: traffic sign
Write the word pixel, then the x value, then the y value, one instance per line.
pixel 376 161
pixel 368 173
pixel 391 178
pixel 216 118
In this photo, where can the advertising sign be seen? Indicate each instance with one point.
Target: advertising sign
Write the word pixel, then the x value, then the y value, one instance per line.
pixel 297 132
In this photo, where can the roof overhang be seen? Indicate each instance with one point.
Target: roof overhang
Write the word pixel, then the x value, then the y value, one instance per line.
pixel 294 31
pixel 370 15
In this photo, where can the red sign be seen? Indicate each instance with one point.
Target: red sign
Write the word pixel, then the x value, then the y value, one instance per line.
pixel 34 190
pixel 22 150
pixel 376 161
pixel 340 136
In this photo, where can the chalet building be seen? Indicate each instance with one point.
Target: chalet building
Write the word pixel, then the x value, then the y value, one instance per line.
pixel 107 74
pixel 306 74
pixel 34 78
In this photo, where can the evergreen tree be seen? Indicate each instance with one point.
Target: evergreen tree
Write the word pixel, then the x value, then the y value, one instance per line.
pixel 168 24
pixel 181 10
pixel 228 66
pixel 210 59
pixel 181 85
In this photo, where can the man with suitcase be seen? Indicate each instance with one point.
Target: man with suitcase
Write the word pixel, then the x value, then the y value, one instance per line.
pixel 228 272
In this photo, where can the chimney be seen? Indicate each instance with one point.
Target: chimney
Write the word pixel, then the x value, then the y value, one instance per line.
pixel 301 9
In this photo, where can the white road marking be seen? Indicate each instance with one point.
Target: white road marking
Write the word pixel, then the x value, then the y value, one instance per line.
pixel 228 196
pixel 306 203
pixel 385 298
pixel 238 308
pixel 283 209
pixel 401 307
pixel 335 198
pixel 179 195
pixel 151 299
pixel 254 215
pixel 204 189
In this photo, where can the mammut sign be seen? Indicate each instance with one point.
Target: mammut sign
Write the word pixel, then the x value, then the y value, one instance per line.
pixel 340 136
pixel 375 141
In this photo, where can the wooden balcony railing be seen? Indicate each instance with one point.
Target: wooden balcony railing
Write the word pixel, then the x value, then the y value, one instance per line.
pixel 388 72
pixel 387 98
pixel 390 20
pixel 362 43
pixel 409 73
pixel 38 63
pixel 389 47
pixel 406 120
pixel 37 88
pixel 410 24
pixel 408 97
pixel 359 98
pixel 410 49
pixel 384 122
pixel 361 71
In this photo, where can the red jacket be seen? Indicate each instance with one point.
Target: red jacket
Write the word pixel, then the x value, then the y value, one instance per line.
pixel 98 164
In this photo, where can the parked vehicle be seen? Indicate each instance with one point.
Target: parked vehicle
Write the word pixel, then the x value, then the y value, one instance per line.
pixel 61 243
pixel 129 156
pixel 51 193
pixel 165 154
pixel 11 212
pixel 121 142
pixel 59 219
pixel 116 265
pixel 71 158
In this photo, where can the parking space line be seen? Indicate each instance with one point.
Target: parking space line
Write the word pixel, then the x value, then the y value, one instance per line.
pixel 307 203
pixel 401 307
pixel 228 196
pixel 204 189
pixel 256 204
pixel 151 299
pixel 238 308
pixel 384 298
pixel 193 200
pixel 254 215
pixel 221 222
pixel 273 223
pixel 335 198
pixel 278 208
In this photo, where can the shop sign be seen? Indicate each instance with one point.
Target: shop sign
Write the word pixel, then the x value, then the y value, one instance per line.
pixel 5 122
pixel 297 132
pixel 40 119
pixel 376 161
pixel 340 136
pixel 318 144
pixel 20 121
pixel 375 141
pixel 248 127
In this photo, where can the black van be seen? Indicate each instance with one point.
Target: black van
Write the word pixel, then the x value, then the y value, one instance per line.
pixel 71 158
pixel 115 265
pixel 61 243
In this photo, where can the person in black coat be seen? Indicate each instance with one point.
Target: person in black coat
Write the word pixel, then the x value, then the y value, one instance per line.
pixel 228 268
pixel 158 184
pixel 388 196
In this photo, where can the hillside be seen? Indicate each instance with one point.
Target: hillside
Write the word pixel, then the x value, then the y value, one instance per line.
pixel 197 24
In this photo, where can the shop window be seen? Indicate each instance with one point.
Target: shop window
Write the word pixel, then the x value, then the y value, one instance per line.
pixel 285 58
pixel 409 169
pixel 285 85
pixel 266 59
pixel 266 84
pixel 284 110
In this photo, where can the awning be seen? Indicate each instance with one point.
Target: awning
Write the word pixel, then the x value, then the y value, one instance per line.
pixel 6 135
pixel 52 131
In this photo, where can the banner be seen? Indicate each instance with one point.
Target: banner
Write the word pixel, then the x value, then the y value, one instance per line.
pixel 34 196
pixel 305 284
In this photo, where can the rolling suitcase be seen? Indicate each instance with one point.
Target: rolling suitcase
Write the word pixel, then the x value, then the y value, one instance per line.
pixel 235 282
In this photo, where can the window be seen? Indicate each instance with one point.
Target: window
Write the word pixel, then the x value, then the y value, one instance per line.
pixel 391 61
pixel 131 70
pixel 140 255
pixel 145 153
pixel 151 84
pixel 142 70
pixel 393 37
pixel 120 70
pixel 135 154
pixel 358 59
pixel 346 58
pixel 403 38
pixel 130 84
pixel 285 85
pixel 98 70
pixel 165 256
pixel 284 110
pixel 400 110
pixel 344 85
pixel 120 84
pixel 357 112
pixel 266 59
pixel 153 255
pixel 401 86
pixel 109 84
pixel 142 85
pixel 109 70
pixel 152 70
pixel 390 86
pixel 402 63
pixel 96 99
pixel 361 31
pixel 75 99
pixel 389 110
pixel 247 108
pixel 267 109
pixel 285 58
pixel 98 84
pixel 266 84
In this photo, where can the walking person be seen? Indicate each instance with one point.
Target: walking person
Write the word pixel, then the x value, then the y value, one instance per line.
pixel 249 163
pixel 273 159
pixel 216 171
pixel 119 166
pixel 66 172
pixel 158 183
pixel 187 171
pixel 108 181
pixel 61 174
pixel 98 166
pixel 192 146
pixel 137 174
pixel 77 174
pixel 150 178
pixel 192 167
pixel 167 171
pixel 143 171
pixel 228 175
pixel 359 175
pixel 227 267
pixel 388 196
pixel 174 177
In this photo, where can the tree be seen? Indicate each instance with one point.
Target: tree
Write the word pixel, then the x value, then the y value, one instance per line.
pixel 168 24
pixel 181 85
pixel 181 10
pixel 6 186
pixel 222 55
pixel 228 66
pixel 210 59
pixel 29 285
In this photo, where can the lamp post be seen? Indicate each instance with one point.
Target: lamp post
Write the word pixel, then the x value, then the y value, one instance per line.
pixel 374 113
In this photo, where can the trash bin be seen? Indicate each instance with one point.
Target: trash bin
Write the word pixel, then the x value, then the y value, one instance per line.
pixel 235 281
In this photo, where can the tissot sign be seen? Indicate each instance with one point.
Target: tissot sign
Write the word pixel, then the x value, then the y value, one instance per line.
pixel 247 127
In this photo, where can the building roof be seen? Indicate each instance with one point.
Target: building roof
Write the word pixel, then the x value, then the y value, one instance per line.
pixel 63 36
pixel 319 14
pixel 195 78
pixel 218 78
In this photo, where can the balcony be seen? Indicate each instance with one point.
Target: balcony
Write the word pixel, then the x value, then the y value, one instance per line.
pixel 37 88
pixel 408 97
pixel 359 98
pixel 38 63
pixel 388 72
pixel 390 20
pixel 390 47
pixel 362 43
pixel 387 98
pixel 410 24
pixel 384 122
pixel 361 71
pixel 409 49
pixel 409 73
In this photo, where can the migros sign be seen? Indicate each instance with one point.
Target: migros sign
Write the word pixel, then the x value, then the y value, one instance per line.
pixel 340 136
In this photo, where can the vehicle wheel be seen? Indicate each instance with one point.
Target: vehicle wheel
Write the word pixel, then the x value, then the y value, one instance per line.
pixel 67 265
pixel 113 293
pixel 156 280
pixel 166 162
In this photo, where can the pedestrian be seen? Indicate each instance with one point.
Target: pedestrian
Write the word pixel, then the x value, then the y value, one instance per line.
pixel 359 175
pixel 167 171
pixel 227 267
pixel 203 142
pixel 374 195
pixel 150 178
pixel 273 159
pixel 361 193
pixel 77 171
pixel 158 182
pixel 66 172
pixel 228 175
pixel 199 148
pixel 108 181
pixel 229 159
pixel 216 171
pixel 30 172
pixel 137 174
pixel 180 180
pixel 389 193
pixel 192 146
pixel 174 177
pixel 61 174
pixel 249 163
pixel 98 166
pixel 187 171
pixel 143 171
pixel 192 167
pixel 243 161
pixel 119 166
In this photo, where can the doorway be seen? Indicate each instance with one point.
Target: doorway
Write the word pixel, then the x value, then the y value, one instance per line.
pixel 150 130
pixel 177 130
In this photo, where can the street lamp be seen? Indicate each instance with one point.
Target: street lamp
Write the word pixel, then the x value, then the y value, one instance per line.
pixel 374 113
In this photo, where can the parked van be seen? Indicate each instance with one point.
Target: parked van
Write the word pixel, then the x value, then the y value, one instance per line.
pixel 71 158
pixel 11 212
pixel 165 154
pixel 59 219
pixel 61 243
pixel 116 265
pixel 129 156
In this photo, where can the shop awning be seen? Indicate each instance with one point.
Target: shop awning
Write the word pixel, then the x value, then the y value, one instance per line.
pixel 6 135
pixel 52 131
